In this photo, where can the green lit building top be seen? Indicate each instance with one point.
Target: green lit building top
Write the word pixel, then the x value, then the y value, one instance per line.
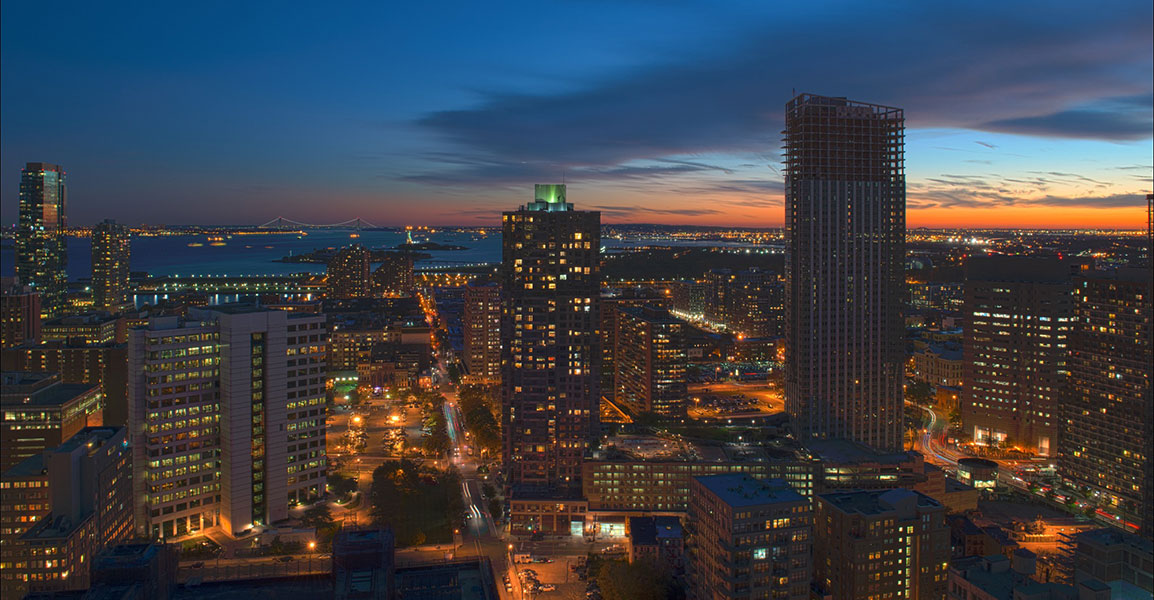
pixel 549 197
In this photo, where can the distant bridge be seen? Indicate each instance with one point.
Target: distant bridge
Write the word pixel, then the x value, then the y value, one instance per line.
pixel 283 223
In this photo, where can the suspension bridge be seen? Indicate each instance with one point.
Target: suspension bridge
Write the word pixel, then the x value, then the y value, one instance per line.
pixel 283 223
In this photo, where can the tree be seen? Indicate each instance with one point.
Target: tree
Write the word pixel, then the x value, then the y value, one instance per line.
pixel 318 516
pixel 341 485
pixel 919 392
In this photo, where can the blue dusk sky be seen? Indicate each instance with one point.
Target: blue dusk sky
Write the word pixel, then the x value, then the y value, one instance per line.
pixel 1019 114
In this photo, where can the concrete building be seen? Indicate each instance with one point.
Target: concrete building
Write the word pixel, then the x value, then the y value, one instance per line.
pixel 19 313
pixel 1020 314
pixel 90 507
pixel 880 544
pixel 1106 420
pixel 227 414
pixel 89 329
pixel 1123 561
pixel 611 305
pixel 749 303
pixel 134 572
pixel 41 245
pixel 650 361
pixel 347 275
pixel 105 366
pixel 111 253
pixel 751 538
pixel 40 412
pixel 550 351
pixel 481 322
pixel 845 202
pixel 996 577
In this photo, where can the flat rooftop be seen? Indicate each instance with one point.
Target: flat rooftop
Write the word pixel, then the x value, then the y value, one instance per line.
pixel 848 452
pixel 53 396
pixel 878 502
pixel 739 490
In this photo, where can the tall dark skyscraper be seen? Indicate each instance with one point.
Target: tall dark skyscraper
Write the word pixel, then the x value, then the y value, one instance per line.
pixel 550 359
pixel 110 258
pixel 845 204
pixel 41 255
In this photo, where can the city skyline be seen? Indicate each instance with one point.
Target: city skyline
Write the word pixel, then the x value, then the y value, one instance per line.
pixel 442 120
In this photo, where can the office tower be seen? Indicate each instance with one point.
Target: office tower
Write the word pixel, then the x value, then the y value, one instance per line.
pixel 41 412
pixel 650 361
pixel 347 275
pixel 751 539
pixel 110 257
pixel 880 544
pixel 105 366
pixel 845 203
pixel 482 324
pixel 550 360
pixel 19 313
pixel 1106 425
pixel 394 276
pixel 41 248
pixel 227 414
pixel 90 507
pixel 1015 349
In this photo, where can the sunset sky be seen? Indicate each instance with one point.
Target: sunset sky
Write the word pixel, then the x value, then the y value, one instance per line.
pixel 1019 114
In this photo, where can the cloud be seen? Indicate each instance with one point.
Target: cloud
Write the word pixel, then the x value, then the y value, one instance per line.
pixel 1001 68
pixel 986 144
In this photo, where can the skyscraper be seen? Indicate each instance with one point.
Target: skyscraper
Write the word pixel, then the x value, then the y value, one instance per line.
pixel 41 249
pixel 1019 315
pixel 347 275
pixel 110 257
pixel 845 202
pixel 226 411
pixel 1106 424
pixel 482 331
pixel 550 359
pixel 650 361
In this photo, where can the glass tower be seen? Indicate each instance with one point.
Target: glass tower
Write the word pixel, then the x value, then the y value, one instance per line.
pixel 41 250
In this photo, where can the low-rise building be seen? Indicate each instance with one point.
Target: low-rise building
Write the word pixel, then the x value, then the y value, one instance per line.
pixel 997 577
pixel 1124 561
pixel 41 412
pixel 659 540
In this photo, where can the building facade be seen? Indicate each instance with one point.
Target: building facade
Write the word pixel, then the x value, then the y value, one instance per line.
pixel 845 201
pixel 481 322
pixel 111 251
pixel 650 361
pixel 90 507
pixel 1015 348
pixel 751 538
pixel 227 414
pixel 105 366
pixel 41 247
pixel 41 412
pixel 1106 424
pixel 19 313
pixel 347 275
pixel 550 361
pixel 880 544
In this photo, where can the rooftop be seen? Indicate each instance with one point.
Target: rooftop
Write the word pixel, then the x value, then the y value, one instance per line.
pixel 845 452
pixel 878 502
pixel 40 390
pixel 739 490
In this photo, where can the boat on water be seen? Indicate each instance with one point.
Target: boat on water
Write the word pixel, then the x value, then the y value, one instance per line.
pixel 195 244
pixel 216 240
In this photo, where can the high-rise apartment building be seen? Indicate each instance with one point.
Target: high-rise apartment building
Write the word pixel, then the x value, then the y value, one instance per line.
pixel 19 313
pixel 845 204
pixel 750 303
pixel 41 412
pixel 347 275
pixel 549 341
pixel 650 361
pixel 1020 313
pixel 110 258
pixel 611 306
pixel 90 507
pixel 751 539
pixel 481 321
pixel 1106 424
pixel 41 248
pixel 394 276
pixel 880 544
pixel 227 414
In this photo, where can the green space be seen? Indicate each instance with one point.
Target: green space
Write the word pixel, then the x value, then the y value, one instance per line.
pixel 419 503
